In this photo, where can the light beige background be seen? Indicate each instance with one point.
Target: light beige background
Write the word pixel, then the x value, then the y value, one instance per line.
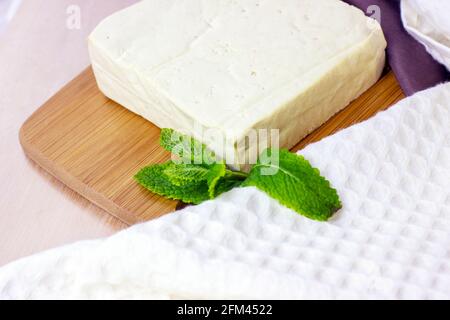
pixel 38 55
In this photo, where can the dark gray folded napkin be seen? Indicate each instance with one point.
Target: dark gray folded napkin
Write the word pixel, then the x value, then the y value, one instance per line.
pixel 413 66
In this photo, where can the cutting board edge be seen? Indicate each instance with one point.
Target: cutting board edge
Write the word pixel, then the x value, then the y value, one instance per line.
pixel 64 177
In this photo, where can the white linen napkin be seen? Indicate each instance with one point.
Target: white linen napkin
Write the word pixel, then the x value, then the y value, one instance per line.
pixel 391 239
pixel 428 21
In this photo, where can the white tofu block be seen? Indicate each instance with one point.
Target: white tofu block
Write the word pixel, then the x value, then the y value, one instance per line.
pixel 237 65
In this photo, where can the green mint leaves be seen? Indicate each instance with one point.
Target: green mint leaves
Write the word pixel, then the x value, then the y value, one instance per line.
pixel 296 185
pixel 188 183
pixel 196 176
pixel 155 179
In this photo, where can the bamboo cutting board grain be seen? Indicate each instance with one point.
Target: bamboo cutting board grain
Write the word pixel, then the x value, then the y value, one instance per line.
pixel 95 146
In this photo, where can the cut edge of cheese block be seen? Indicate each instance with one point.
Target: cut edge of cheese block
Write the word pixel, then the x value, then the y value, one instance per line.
pixel 345 78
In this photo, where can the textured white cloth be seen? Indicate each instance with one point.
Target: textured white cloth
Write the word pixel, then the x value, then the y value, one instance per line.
pixel 390 240
pixel 428 21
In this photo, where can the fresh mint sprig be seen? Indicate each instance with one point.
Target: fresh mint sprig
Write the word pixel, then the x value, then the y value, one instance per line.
pixel 199 176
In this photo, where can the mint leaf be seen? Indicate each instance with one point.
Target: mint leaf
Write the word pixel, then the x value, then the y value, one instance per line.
pixel 296 185
pixel 225 185
pixel 204 167
pixel 215 174
pixel 156 180
pixel 181 174
pixel 188 183
pixel 189 150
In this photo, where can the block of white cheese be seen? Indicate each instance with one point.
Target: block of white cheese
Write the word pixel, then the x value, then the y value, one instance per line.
pixel 237 65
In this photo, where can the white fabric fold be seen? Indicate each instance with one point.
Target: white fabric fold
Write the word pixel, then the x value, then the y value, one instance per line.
pixel 391 240
pixel 428 21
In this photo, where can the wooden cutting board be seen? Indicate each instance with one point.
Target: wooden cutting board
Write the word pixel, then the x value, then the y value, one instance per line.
pixel 95 146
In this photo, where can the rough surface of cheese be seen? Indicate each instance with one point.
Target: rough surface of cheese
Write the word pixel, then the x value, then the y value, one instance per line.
pixel 236 65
